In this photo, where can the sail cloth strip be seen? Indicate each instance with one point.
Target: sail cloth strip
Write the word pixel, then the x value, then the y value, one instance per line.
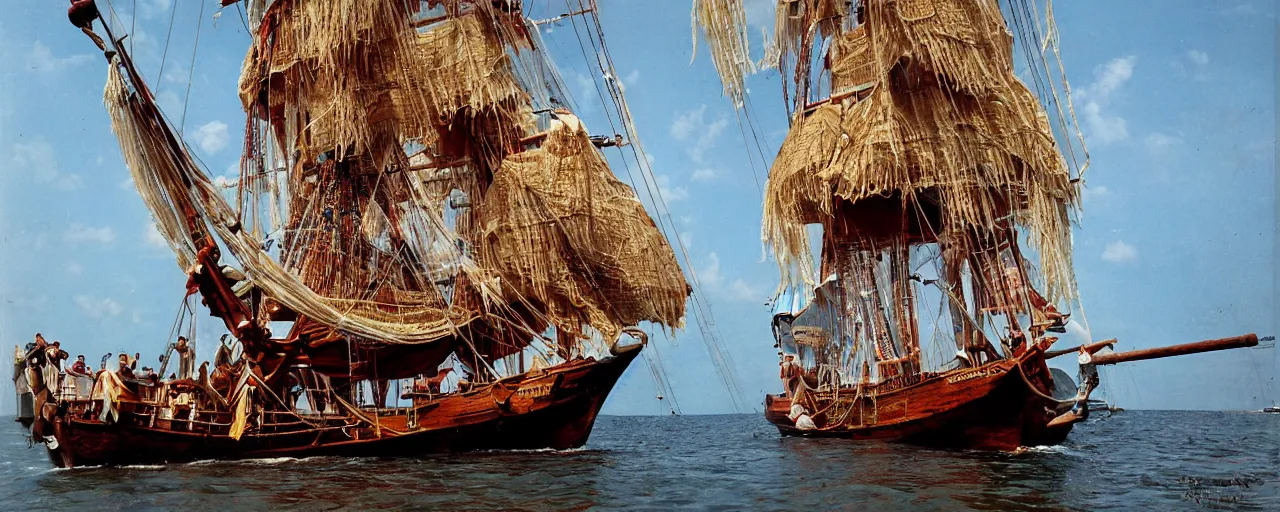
pixel 562 230
pixel 724 24
pixel 171 178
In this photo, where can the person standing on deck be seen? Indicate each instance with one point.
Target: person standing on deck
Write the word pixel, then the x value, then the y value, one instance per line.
pixel 56 355
pixel 790 375
pixel 186 358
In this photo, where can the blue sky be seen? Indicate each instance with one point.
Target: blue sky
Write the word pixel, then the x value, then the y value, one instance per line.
pixel 1177 241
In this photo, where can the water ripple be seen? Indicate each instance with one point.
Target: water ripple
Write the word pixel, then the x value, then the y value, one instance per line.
pixel 1136 460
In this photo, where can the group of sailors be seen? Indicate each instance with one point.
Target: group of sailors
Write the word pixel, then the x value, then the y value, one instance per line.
pixel 47 357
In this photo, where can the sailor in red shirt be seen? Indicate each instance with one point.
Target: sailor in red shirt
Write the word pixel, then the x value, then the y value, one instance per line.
pixel 82 13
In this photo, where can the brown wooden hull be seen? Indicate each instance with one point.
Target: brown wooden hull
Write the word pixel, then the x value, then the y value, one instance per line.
pixel 555 409
pixel 990 407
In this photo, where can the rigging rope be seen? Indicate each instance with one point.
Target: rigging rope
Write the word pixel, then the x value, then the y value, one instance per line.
pixel 191 71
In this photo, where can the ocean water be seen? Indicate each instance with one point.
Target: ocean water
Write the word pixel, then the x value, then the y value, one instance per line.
pixel 1133 460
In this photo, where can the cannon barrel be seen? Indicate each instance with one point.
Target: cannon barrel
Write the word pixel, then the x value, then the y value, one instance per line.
pixel 1247 340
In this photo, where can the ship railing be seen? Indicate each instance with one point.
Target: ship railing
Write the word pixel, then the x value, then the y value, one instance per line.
pixel 74 386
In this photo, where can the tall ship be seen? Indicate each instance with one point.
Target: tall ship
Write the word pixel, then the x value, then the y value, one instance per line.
pixel 945 193
pixel 416 199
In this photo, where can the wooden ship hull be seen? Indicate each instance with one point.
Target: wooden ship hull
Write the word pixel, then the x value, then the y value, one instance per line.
pixel 988 407
pixel 1002 405
pixel 551 409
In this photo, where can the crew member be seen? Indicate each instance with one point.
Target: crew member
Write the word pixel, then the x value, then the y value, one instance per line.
pixel 186 358
pixel 82 13
pixel 790 373
pixel 79 367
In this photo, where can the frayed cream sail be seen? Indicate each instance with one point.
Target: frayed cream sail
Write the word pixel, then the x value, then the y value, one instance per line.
pixel 562 230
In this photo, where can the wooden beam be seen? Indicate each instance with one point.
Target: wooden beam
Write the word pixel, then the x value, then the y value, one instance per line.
pixel 1092 348
pixel 856 91
pixel 1247 340
pixel 441 165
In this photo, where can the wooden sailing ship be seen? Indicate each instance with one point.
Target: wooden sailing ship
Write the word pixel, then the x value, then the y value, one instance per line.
pixel 414 192
pixel 936 176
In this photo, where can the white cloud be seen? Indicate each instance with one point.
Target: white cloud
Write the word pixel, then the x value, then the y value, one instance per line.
pixel 127 183
pixel 670 194
pixel 1200 65
pixel 226 182
pixel 1119 252
pixel 588 96
pixel 75 269
pixel 711 278
pixel 169 102
pixel 153 237
pixel 710 275
pixel 692 127
pixel 212 136
pixel 1198 57
pixel 632 77
pixel 704 175
pixel 1092 194
pixel 739 290
pixel 177 74
pixel 1160 144
pixel 153 9
pixel 37 159
pixel 41 59
pixel 1110 77
pixel 80 234
pixel 1103 126
pixel 99 308
pixel 686 238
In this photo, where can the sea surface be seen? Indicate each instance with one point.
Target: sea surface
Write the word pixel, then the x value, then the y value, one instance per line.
pixel 1133 460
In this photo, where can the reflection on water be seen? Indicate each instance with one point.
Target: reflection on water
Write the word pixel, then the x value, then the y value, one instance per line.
pixel 1133 460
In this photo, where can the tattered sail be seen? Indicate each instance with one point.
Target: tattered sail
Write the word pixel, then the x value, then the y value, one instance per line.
pixel 926 139
pixel 568 234
pixel 450 89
